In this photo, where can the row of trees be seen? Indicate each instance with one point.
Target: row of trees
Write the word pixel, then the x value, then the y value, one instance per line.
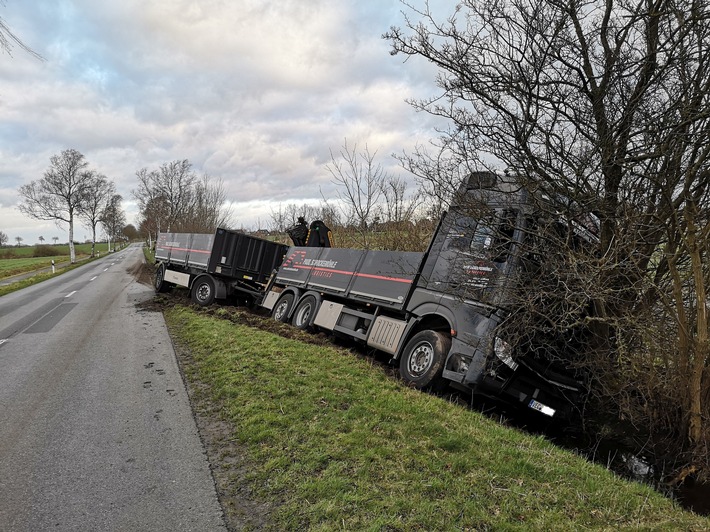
pixel 371 208
pixel 4 239
pixel 602 106
pixel 70 190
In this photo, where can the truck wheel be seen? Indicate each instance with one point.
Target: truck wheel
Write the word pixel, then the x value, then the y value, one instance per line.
pixel 161 285
pixel 282 308
pixel 303 315
pixel 422 360
pixel 203 291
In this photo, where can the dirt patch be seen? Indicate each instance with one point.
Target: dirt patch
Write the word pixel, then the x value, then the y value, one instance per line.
pixel 142 272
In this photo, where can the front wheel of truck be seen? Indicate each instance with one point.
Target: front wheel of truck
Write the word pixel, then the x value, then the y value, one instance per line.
pixel 422 360
pixel 203 291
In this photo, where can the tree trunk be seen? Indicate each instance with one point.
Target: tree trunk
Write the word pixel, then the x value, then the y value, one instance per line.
pixel 72 252
pixel 700 354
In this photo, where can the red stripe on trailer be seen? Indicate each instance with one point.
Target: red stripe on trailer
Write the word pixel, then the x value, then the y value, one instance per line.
pixel 343 272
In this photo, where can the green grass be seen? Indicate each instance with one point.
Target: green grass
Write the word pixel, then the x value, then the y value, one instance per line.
pixel 10 267
pixel 28 264
pixel 22 261
pixel 335 443
pixel 61 249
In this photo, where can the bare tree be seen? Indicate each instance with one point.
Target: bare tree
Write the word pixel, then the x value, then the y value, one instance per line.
pixel 166 192
pixel 287 216
pixel 3 238
pixel 207 207
pixel 112 218
pixel 173 198
pixel 41 239
pixel 19 240
pixel 60 193
pixel 359 179
pixel 601 107
pixel 56 239
pixel 99 192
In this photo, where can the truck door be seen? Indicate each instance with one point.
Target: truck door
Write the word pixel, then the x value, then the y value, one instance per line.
pixel 475 254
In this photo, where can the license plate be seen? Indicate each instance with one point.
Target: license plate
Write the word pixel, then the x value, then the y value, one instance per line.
pixel 541 408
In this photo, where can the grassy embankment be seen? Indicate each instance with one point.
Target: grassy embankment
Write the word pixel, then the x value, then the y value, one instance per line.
pixel 328 441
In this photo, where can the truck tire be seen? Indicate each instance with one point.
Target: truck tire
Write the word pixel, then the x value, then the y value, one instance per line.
pixel 304 313
pixel 161 285
pixel 422 360
pixel 282 308
pixel 203 291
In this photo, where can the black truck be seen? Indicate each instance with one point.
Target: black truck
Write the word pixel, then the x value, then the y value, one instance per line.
pixel 436 313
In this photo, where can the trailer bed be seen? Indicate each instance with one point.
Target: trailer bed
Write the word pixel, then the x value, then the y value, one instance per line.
pixel 384 277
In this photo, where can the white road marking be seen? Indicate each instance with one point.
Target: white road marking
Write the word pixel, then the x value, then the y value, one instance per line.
pixel 70 294
pixel 105 269
pixel 94 277
pixel 3 341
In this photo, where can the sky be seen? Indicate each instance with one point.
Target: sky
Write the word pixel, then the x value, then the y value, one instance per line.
pixel 254 92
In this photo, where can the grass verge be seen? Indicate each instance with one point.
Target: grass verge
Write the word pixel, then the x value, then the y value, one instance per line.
pixel 330 441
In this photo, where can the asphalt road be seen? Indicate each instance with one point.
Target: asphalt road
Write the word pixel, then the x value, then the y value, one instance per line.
pixel 96 431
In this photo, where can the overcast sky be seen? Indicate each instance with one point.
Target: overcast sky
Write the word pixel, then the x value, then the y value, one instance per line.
pixel 255 92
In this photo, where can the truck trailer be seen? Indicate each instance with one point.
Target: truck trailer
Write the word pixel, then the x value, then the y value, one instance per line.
pixel 216 266
pixel 437 313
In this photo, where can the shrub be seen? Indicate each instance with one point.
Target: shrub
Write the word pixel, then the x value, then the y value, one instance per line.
pixel 43 250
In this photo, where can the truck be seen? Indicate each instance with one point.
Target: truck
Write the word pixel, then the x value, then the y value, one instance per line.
pixel 437 313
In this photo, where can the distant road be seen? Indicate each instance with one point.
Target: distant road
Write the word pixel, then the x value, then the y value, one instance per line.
pixel 96 431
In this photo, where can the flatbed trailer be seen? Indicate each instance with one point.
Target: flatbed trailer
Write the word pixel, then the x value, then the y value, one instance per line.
pixel 216 266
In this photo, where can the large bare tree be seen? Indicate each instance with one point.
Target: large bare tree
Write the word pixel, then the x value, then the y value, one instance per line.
pixel 600 106
pixel 59 195
pixel 113 219
pixel 99 192
pixel 173 198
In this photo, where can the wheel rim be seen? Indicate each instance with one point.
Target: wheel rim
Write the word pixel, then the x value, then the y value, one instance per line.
pixel 304 313
pixel 281 310
pixel 421 359
pixel 159 278
pixel 203 292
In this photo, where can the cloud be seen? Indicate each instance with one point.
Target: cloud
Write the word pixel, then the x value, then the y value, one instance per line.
pixel 254 92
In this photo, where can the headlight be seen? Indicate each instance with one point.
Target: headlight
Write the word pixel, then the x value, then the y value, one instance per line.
pixel 504 351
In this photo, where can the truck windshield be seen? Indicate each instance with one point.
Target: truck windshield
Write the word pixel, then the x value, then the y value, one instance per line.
pixel 486 238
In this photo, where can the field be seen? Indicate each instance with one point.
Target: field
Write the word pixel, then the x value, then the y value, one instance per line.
pixel 15 261
pixel 306 435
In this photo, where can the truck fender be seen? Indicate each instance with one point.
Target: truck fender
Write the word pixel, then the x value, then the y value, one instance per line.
pixel 435 309
pixel 421 314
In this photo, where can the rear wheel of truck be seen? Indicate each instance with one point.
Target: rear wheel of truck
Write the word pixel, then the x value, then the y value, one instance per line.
pixel 422 360
pixel 161 285
pixel 303 315
pixel 283 308
pixel 203 291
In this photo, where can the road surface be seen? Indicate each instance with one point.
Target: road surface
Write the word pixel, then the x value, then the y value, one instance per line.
pixel 96 431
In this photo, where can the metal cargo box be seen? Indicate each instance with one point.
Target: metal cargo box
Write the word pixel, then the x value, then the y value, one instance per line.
pixel 244 257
